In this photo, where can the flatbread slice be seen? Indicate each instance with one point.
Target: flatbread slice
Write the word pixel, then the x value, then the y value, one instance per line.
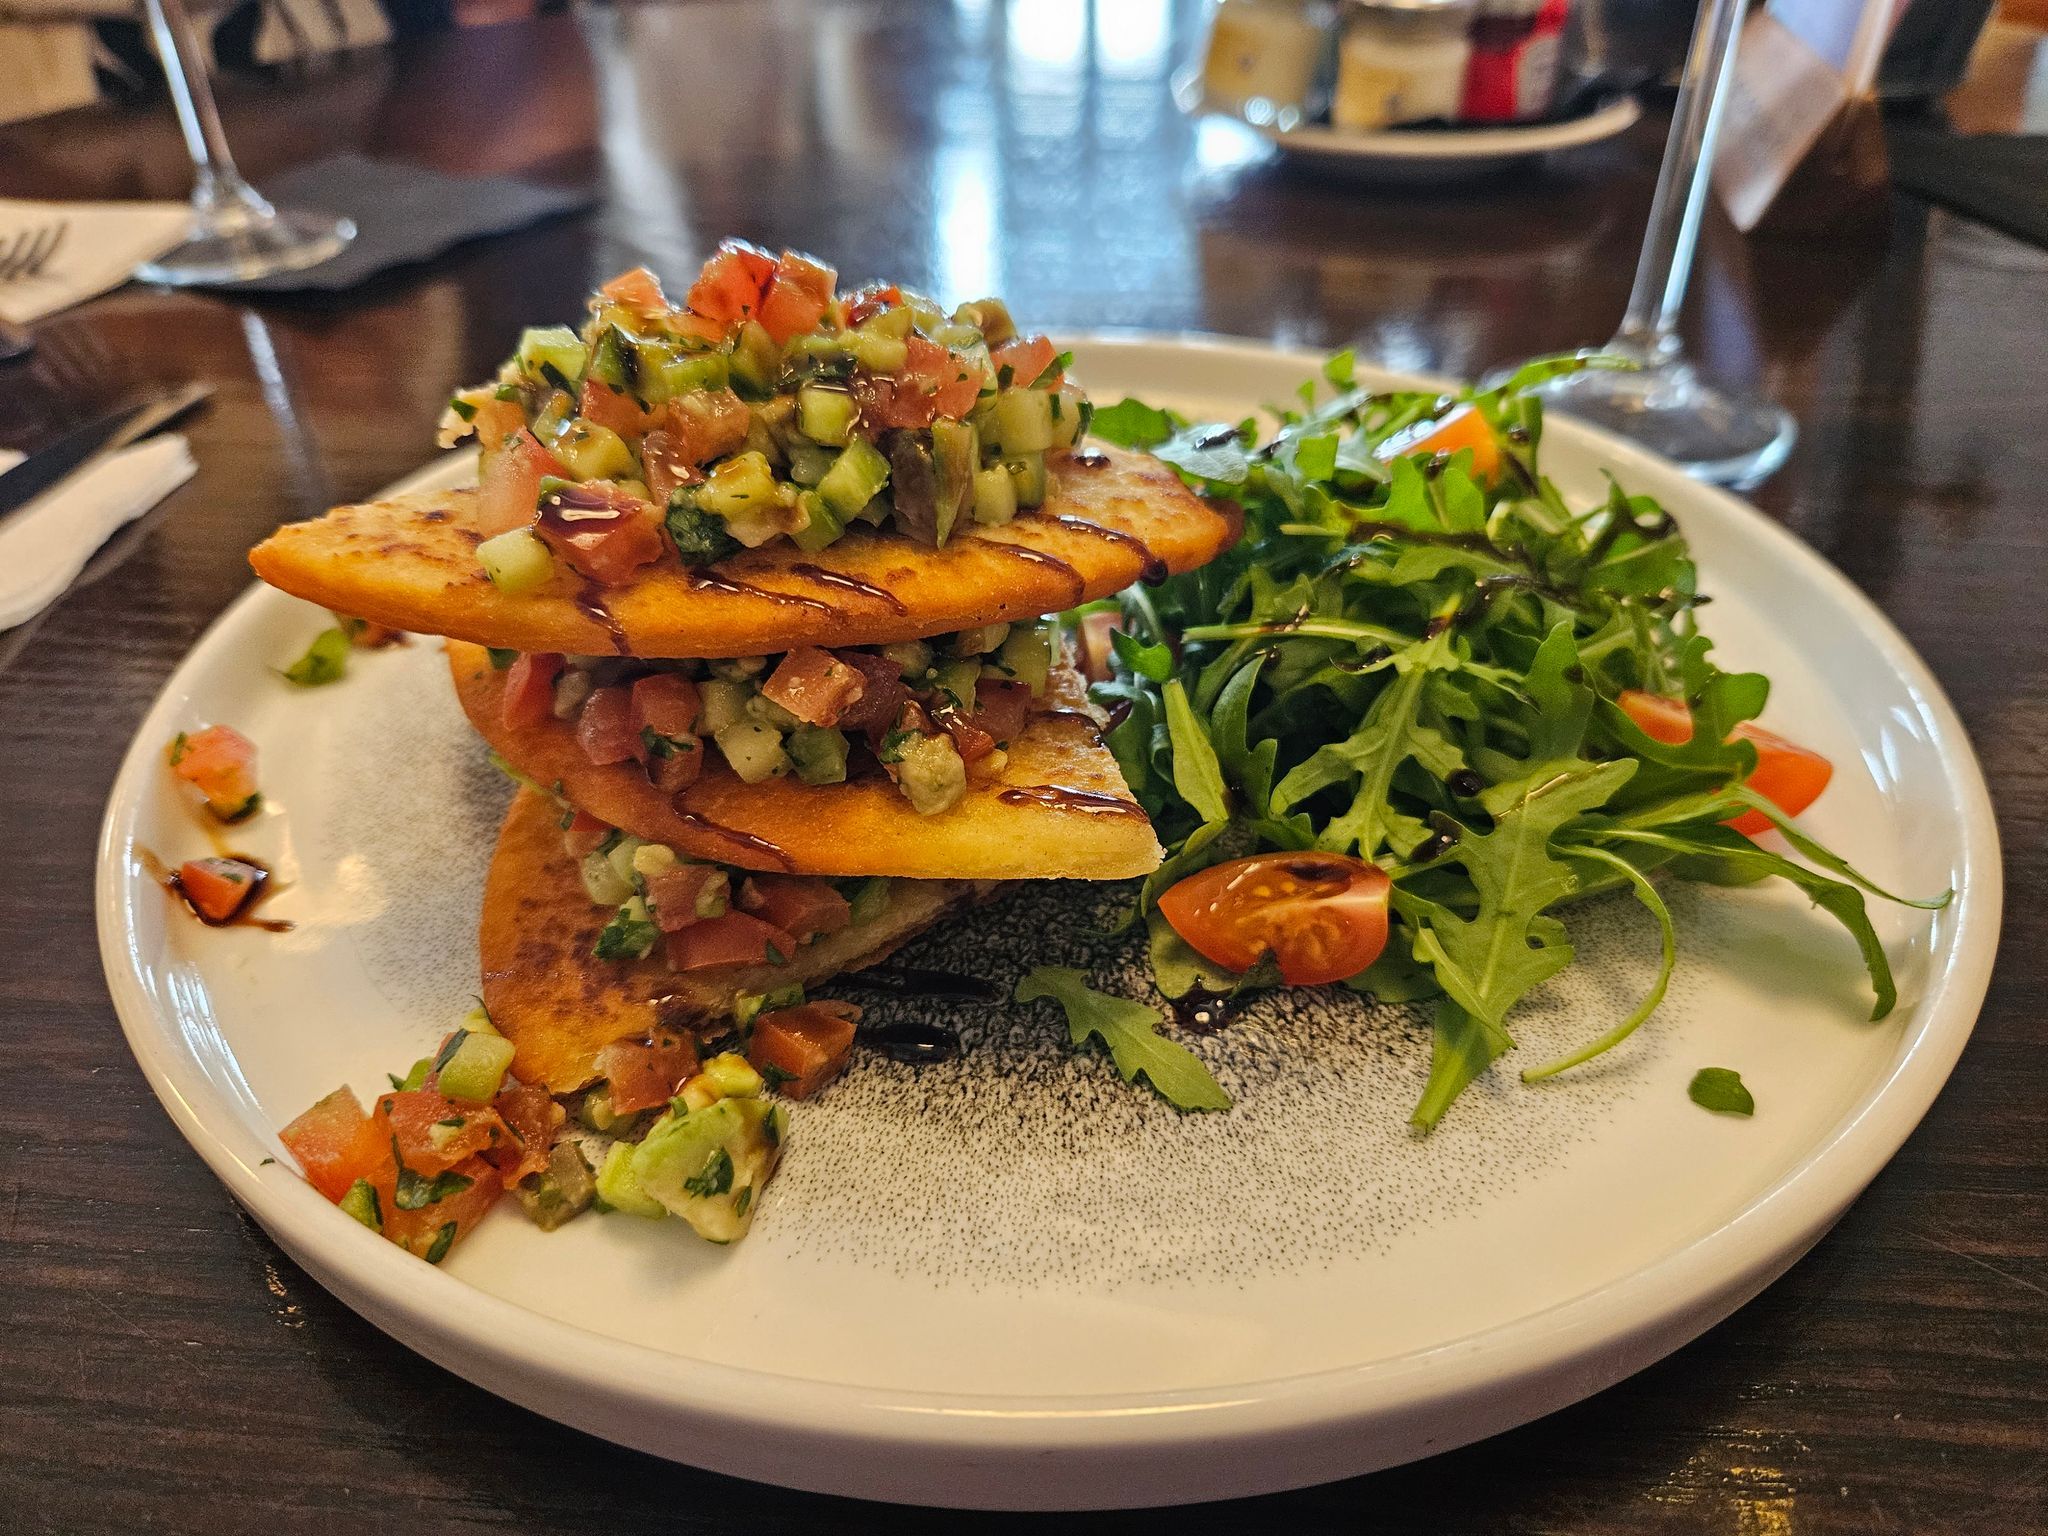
pixel 410 563
pixel 1060 810
pixel 560 1005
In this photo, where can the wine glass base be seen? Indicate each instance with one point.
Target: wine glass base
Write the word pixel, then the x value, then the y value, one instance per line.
pixel 1666 407
pixel 238 243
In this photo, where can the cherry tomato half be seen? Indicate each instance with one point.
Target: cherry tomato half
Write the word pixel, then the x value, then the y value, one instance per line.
pixel 1788 775
pixel 1322 915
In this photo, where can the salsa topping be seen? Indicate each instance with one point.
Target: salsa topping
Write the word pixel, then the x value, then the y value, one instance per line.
pixel 763 407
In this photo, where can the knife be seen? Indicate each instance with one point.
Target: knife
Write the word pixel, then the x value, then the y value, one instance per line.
pixel 86 445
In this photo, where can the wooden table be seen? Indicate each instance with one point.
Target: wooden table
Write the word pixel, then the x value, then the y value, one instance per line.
pixel 166 1368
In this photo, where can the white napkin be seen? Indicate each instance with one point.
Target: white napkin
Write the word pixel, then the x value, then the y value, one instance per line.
pixel 44 545
pixel 103 245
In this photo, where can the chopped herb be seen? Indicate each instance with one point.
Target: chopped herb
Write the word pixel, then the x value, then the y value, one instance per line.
pixel 444 1239
pixel 180 744
pixel 462 408
pixel 448 1049
pixel 627 936
pixel 266 1162
pixel 775 1076
pixel 1053 370
pixel 714 1178
pixel 894 744
pixel 744 1200
pixel 657 744
pixel 416 1192
pixel 1721 1090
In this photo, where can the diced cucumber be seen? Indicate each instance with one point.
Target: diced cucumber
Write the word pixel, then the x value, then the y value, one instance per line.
pixel 620 856
pixel 980 640
pixel 741 484
pixel 618 1186
pixel 808 464
pixel 956 455
pixel 826 415
pixel 855 478
pixel 876 352
pixel 871 900
pixel 602 883
pixel 721 702
pixel 958 678
pixel 651 861
pixel 734 1076
pixel 697 1093
pixel 1024 420
pixel 592 452
pixel 753 751
pixel 913 658
pixel 1027 655
pixel 477 1070
pixel 669 371
pixel 822 526
pixel 417 1077
pixel 895 323
pixel 749 1006
pixel 756 361
pixel 615 361
pixel 555 345
pixel 771 714
pixel 741 669
pixel 1029 479
pixel 1069 415
pixel 995 496
pixel 517 561
pixel 361 1202
pixel 819 753
pixel 931 775
pixel 478 1020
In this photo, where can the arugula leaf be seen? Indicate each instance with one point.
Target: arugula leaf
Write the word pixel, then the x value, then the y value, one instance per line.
pixel 1462 1048
pixel 1151 662
pixel 1217 453
pixel 1196 772
pixel 1249 767
pixel 1646 893
pixel 1133 424
pixel 1127 1029
pixel 325 661
pixel 1721 1090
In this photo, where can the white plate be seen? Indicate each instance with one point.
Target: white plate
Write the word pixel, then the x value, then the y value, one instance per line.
pixel 1015 1282
pixel 1438 154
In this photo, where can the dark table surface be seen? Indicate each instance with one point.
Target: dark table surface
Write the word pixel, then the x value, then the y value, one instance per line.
pixel 165 1367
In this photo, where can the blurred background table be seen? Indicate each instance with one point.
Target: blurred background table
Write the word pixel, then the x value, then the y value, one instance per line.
pixel 167 1368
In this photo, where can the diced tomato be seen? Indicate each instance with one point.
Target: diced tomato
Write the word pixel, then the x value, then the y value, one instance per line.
pixel 508 484
pixel 1322 916
pixel 220 762
pixel 970 740
pixel 1002 708
pixel 944 376
pixel 679 768
pixel 673 894
pixel 616 409
pixel 663 466
pixel 530 690
pixel 434 1133
pixel 803 1048
pixel 496 420
pixel 703 425
pixel 883 693
pixel 738 938
pixel 584 833
pixel 432 1230
pixel 1096 651
pixel 802 906
pixel 603 532
pixel 638 289
pixel 1460 427
pixel 336 1143
pixel 666 703
pixel 798 296
pixel 732 282
pixel 814 685
pixel 1027 357
pixel 641 1074
pixel 605 730
pixel 219 888
pixel 1788 775
pixel 532 1117
pixel 865 303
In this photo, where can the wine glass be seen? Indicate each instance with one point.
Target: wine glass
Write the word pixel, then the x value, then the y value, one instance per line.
pixel 1662 402
pixel 235 235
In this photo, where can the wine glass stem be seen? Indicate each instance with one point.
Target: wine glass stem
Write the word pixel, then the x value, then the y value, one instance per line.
pixel 184 59
pixel 1650 327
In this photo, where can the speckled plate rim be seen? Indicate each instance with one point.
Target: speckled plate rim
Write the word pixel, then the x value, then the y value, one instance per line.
pixel 1098 1451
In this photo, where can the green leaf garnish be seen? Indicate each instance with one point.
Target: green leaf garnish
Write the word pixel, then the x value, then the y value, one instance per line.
pixel 1721 1090
pixel 1128 1030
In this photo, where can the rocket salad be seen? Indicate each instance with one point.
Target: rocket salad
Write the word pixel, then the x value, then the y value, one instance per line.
pixel 1442 704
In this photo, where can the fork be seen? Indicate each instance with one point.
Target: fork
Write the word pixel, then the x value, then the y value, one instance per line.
pixel 30 250
pixel 25 256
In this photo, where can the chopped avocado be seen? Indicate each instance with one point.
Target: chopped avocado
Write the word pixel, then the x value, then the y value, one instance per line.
pixel 930 774
pixel 733 1076
pixel 819 753
pixel 618 1184
pixel 709 1165
pixel 477 1069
